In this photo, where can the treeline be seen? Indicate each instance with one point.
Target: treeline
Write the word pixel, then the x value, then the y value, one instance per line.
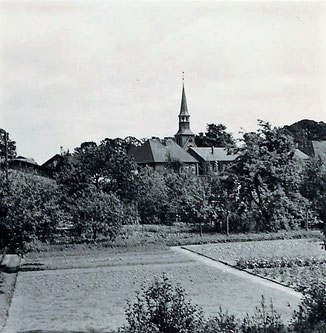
pixel 98 188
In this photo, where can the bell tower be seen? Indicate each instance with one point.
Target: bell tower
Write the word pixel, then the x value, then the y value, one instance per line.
pixel 184 137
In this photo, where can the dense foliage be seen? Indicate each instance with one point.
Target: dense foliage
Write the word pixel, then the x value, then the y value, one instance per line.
pixel 163 308
pixel 215 135
pixel 99 187
pixel 314 187
pixel 29 210
pixel 267 176
pixel 305 131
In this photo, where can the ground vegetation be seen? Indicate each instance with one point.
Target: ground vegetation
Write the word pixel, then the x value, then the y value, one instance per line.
pixel 164 308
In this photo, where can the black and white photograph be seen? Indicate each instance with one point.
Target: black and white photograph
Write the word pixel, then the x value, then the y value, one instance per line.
pixel 162 166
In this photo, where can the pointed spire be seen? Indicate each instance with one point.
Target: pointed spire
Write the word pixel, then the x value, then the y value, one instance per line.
pixel 183 108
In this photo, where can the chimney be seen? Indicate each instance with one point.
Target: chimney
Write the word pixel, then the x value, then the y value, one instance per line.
pixel 212 149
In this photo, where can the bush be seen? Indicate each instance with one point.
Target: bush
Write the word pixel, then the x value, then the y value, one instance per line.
pixel 311 316
pixel 162 308
pixel 263 321
pixel 222 323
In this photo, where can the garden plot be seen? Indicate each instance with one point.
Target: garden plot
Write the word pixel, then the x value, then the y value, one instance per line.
pixel 296 263
pixel 82 298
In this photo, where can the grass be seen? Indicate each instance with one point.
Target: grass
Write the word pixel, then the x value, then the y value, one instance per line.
pixel 151 237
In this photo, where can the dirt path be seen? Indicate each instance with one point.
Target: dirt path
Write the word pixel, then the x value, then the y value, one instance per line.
pixel 240 273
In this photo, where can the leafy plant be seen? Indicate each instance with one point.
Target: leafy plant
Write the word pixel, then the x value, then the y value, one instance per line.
pixel 163 308
pixel 265 320
pixel 312 310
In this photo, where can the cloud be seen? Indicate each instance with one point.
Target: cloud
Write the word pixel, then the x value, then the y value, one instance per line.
pixel 83 70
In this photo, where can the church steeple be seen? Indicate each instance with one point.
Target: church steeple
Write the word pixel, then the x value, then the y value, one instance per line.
pixel 184 107
pixel 184 137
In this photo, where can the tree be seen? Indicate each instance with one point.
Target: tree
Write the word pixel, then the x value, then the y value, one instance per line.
pixel 11 146
pixel 131 141
pixel 108 167
pixel 215 135
pixel 29 210
pixel 304 131
pixel 268 180
pixel 195 201
pixel 314 186
pixel 153 199
pixel 95 214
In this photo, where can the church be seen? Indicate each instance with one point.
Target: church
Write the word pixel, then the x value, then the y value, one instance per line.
pixel 181 148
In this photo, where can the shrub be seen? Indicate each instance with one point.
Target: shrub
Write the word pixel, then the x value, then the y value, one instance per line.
pixel 162 308
pixel 263 321
pixel 311 316
pixel 222 323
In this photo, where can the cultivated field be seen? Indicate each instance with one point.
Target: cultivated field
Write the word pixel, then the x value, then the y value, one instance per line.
pixel 296 263
pixel 85 292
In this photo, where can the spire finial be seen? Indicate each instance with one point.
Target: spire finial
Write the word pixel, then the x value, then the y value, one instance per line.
pixel 183 77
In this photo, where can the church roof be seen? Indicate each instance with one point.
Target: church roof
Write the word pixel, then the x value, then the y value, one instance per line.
pixel 25 159
pixel 300 155
pixel 213 154
pixel 319 148
pixel 184 107
pixel 154 151
pixel 184 131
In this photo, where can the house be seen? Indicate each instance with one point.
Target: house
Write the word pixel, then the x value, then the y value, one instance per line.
pixel 159 154
pixel 215 158
pixel 211 158
pixel 28 165
pixel 319 149
pixel 53 162
pixel 57 161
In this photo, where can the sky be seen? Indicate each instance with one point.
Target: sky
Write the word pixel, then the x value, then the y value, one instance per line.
pixel 83 70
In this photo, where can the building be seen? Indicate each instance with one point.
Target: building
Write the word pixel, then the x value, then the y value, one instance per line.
pixel 319 149
pixel 161 154
pixel 211 158
pixel 56 162
pixel 28 165
pixel 300 155
pixel 185 138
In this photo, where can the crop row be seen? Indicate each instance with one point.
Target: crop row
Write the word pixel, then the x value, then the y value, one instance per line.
pixel 252 263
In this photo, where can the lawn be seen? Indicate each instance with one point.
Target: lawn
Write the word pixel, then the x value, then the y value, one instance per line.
pixel 89 291
pixel 142 237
